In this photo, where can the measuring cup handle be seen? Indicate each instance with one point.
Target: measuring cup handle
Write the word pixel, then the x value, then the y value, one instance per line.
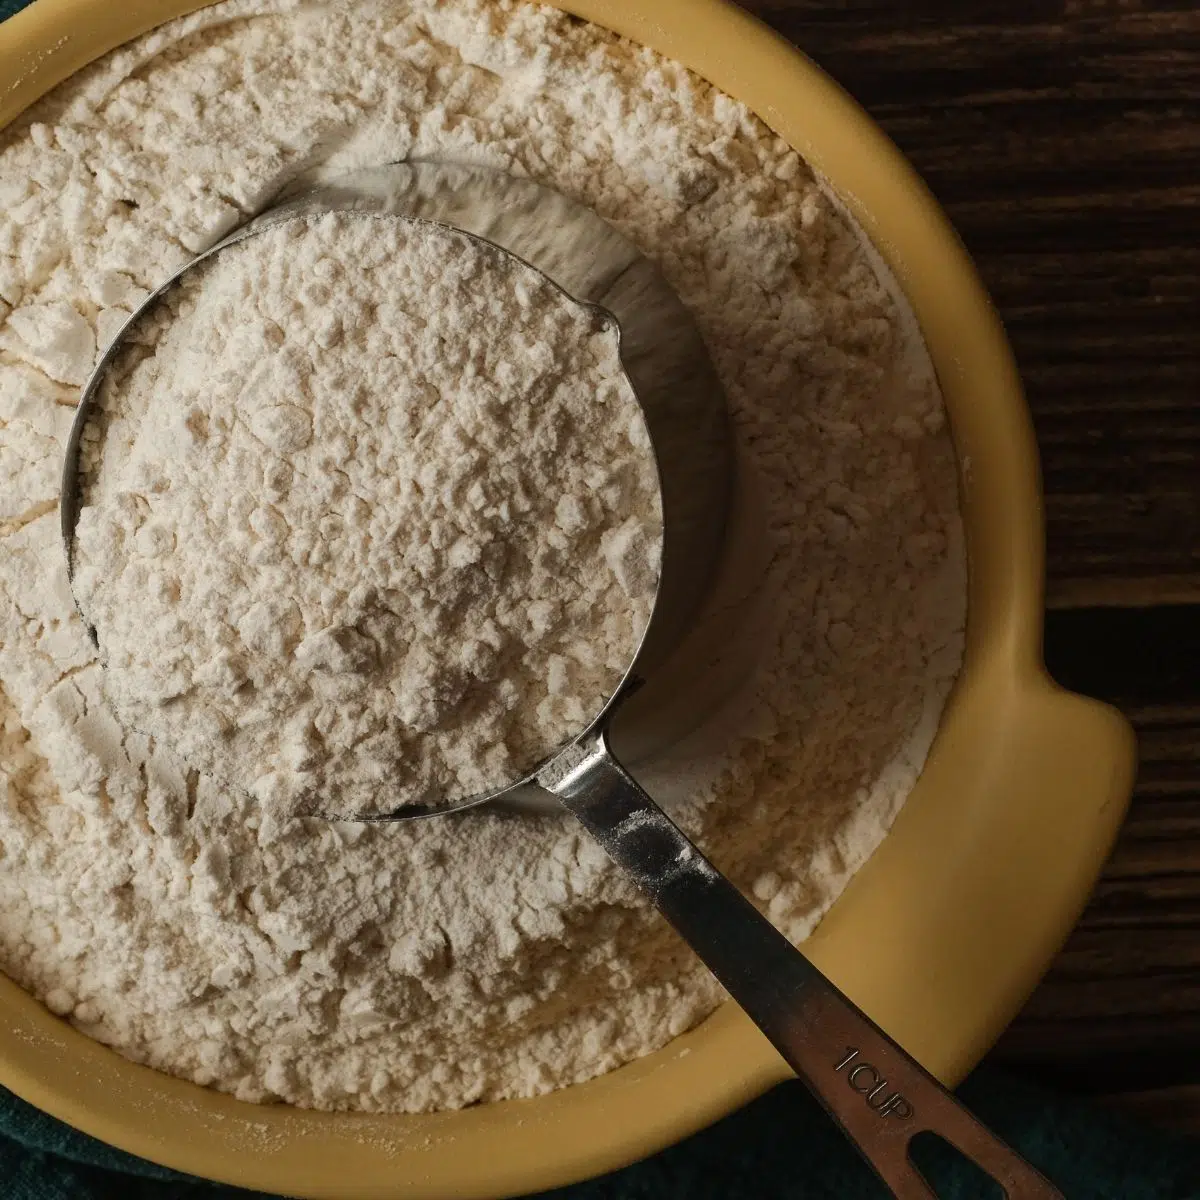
pixel 879 1095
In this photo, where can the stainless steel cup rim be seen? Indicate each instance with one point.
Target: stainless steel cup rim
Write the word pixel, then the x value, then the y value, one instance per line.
pixel 661 350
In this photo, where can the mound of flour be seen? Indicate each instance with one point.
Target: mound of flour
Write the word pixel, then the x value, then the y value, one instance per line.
pixel 372 521
pixel 450 961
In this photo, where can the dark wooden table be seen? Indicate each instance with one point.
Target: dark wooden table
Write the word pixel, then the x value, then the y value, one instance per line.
pixel 1063 139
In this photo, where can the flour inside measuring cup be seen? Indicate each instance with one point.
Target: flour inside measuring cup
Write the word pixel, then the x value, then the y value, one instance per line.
pixel 370 518
pixel 443 963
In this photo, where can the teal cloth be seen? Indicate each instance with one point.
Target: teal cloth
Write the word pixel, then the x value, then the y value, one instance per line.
pixel 781 1147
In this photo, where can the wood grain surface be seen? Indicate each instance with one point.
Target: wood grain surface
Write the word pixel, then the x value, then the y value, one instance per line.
pixel 1063 139
pixel 1120 1010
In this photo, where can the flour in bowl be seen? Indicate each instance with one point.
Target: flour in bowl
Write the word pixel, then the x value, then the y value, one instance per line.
pixel 448 961
pixel 371 520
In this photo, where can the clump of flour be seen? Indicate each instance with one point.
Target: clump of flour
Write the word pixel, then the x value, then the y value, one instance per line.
pixel 372 520
pixel 443 962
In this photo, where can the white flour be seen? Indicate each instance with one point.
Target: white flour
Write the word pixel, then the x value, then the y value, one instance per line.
pixel 386 502
pixel 432 965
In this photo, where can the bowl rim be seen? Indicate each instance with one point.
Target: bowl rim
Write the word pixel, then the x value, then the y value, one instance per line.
pixel 941 934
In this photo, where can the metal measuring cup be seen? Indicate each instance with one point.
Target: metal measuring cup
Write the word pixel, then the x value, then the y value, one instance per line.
pixel 879 1095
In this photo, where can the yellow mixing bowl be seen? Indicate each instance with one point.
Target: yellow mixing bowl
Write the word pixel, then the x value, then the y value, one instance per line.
pixel 941 935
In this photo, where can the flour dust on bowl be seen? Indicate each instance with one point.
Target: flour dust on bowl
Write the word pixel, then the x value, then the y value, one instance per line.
pixel 376 979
